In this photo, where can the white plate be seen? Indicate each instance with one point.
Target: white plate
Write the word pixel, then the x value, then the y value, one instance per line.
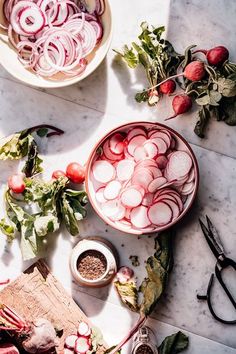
pixel 8 56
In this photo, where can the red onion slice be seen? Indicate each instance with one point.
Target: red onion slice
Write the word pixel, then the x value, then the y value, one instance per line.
pixel 36 23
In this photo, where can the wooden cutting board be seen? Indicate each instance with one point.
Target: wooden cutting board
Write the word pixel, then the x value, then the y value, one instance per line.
pixel 37 293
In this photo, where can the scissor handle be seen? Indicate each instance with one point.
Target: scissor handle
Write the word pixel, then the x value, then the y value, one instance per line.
pixel 219 267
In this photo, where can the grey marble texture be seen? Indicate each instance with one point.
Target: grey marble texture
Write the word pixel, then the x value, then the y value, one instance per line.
pixel 103 101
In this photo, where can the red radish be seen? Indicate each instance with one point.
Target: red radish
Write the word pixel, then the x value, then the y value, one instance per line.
pixel 75 172
pixel 160 213
pixel 139 217
pixel 84 329
pixel 168 87
pixel 124 274
pixel 16 183
pixel 82 345
pixel 181 104
pixel 195 71
pixel 103 171
pixel 215 56
pixel 58 173
pixel 70 341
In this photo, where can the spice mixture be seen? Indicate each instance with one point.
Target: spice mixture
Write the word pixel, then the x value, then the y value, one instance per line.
pixel 144 349
pixel 91 264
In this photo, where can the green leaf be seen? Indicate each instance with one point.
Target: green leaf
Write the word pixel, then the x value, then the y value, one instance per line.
pixel 158 267
pixel 46 224
pixel 33 164
pixel 97 340
pixel 226 87
pixel 187 56
pixel 129 56
pixel 142 96
pixel 203 100
pixel 7 230
pixel 110 349
pixel 128 293
pixel 42 132
pixel 227 110
pixel 159 32
pixel 204 116
pixel 13 147
pixel 215 97
pixel 174 344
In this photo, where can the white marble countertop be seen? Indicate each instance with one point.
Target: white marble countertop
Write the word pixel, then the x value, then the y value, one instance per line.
pixel 104 100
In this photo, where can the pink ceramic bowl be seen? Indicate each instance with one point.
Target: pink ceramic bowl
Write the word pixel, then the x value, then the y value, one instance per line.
pixel 181 144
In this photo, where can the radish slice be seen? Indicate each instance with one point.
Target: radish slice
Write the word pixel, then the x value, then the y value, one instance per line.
pixel 136 131
pixel 140 153
pixel 180 164
pixel 147 199
pixel 147 163
pixel 139 217
pixel 103 171
pixel 70 341
pixel 131 197
pixel 161 161
pixel 135 142
pixel 112 190
pixel 82 345
pixel 120 213
pixel 187 188
pixel 143 178
pixel 109 154
pixel 68 351
pixel 116 143
pixel 125 169
pixel 83 329
pixel 161 145
pixel 111 208
pixel 151 149
pixel 156 183
pixel 163 136
pixel 160 214
pixel 191 176
pixel 156 172
pixel 174 207
pixel 100 195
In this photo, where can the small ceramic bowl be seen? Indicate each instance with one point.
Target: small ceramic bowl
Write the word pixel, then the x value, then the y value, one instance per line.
pixel 9 60
pixel 102 247
pixel 91 188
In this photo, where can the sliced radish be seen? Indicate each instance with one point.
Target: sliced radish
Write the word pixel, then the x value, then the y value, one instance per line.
pixel 68 351
pixel 174 207
pixel 151 149
pixel 116 143
pixel 160 214
pixel 147 163
pixel 103 171
pixel 161 161
pixel 100 195
pixel 163 136
pixel 136 131
pixel 191 176
pixel 147 199
pixel 140 153
pixel 112 190
pixel 83 329
pixel 111 208
pixel 142 177
pixel 161 145
pixel 187 188
pixel 139 217
pixel 120 213
pixel 109 154
pixel 152 131
pixel 156 183
pixel 156 172
pixel 82 345
pixel 134 142
pixel 180 163
pixel 125 169
pixel 70 341
pixel 131 197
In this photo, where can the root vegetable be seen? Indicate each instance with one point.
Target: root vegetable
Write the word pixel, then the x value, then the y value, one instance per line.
pixel 168 87
pixel 42 337
pixel 181 104
pixel 124 274
pixel 8 348
pixel 16 183
pixel 58 173
pixel 215 56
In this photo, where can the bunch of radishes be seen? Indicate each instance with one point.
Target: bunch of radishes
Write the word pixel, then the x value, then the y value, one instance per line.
pixel 81 342
pixel 194 71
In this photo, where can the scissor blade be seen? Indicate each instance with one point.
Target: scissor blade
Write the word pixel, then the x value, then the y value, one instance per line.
pixel 215 235
pixel 210 240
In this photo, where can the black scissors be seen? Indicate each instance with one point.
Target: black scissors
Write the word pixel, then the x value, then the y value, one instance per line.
pixel 223 262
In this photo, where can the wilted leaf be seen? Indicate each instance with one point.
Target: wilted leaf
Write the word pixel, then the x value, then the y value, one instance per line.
pixel 174 344
pixel 204 116
pixel 226 87
pixel 128 293
pixel 7 230
pixel 203 101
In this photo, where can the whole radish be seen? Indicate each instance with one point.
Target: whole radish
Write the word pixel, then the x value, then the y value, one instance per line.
pixel 181 104
pixel 167 87
pixel 16 183
pixel 194 71
pixel 215 56
pixel 124 274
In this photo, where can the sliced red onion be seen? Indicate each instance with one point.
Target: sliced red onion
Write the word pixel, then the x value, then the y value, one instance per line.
pixel 37 20
pixel 89 38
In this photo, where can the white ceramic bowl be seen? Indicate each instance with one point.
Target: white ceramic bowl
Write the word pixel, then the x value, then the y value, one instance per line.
pixel 91 189
pixel 8 56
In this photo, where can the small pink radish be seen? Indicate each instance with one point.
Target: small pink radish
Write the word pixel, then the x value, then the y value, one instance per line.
pixel 84 330
pixel 82 345
pixel 70 341
pixel 181 104
pixel 167 87
pixel 215 56
pixel 124 274
pixel 8 348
